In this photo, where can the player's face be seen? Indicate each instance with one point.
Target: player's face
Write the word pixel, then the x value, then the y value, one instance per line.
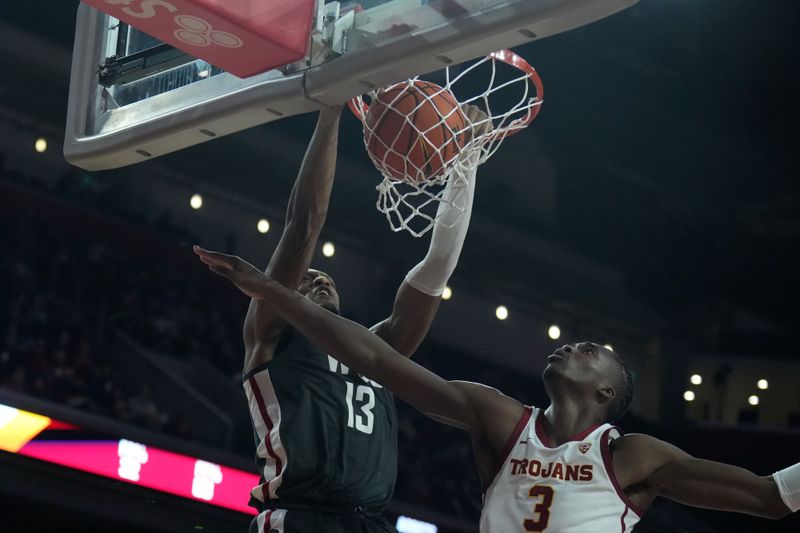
pixel 585 364
pixel 319 287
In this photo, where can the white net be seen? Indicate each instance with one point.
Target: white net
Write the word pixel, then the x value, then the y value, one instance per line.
pixel 441 132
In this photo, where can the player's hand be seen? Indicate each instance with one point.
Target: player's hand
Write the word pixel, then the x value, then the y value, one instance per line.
pixel 245 276
pixel 478 119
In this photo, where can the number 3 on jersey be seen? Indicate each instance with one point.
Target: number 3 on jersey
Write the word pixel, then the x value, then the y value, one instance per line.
pixel 365 420
pixel 541 509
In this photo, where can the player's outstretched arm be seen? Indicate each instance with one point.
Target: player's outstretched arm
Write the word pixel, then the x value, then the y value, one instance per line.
pixel 667 471
pixel 465 406
pixel 419 295
pixel 305 217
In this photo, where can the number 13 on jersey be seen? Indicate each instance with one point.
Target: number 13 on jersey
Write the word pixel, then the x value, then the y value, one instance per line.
pixel 365 398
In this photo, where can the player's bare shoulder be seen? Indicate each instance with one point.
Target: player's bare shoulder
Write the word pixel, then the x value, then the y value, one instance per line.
pixel 637 445
pixel 497 413
pixel 638 456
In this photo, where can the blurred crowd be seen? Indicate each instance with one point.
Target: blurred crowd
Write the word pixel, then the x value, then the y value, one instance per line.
pixel 57 294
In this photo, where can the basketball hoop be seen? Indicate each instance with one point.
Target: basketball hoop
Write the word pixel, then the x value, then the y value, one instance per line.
pixel 410 204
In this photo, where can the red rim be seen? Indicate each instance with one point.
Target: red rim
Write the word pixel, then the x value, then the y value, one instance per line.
pixel 510 58
pixel 360 108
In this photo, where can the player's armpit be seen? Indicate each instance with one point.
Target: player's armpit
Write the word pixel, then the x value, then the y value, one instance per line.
pixel 672 473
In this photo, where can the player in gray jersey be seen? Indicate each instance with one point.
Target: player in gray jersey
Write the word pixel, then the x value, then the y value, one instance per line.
pixel 326 438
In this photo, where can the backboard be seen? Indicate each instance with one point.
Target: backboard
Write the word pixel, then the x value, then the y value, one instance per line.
pixel 133 98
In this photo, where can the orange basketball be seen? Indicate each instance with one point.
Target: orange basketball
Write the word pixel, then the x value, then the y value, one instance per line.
pixel 413 129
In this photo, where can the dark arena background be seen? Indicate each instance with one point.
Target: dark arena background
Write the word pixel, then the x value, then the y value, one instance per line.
pixel 654 205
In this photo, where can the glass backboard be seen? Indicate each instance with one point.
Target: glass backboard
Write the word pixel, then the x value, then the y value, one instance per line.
pixel 133 98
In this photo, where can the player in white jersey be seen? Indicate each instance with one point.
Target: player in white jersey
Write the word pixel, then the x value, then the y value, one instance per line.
pixel 542 486
pixel 564 469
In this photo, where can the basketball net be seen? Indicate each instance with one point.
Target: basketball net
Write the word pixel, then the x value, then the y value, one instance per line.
pixel 511 100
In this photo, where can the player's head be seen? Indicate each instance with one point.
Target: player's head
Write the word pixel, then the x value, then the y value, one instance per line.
pixel 319 287
pixel 594 372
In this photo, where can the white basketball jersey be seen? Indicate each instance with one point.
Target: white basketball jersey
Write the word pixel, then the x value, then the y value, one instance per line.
pixel 565 489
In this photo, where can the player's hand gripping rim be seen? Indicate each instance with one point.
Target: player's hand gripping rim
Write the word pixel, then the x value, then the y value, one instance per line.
pixel 479 121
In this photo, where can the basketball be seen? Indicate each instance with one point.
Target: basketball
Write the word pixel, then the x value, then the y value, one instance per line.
pixel 413 130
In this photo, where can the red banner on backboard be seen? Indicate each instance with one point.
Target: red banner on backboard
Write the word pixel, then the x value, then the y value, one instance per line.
pixel 243 37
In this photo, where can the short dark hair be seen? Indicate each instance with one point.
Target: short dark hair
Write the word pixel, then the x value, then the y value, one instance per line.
pixel 624 397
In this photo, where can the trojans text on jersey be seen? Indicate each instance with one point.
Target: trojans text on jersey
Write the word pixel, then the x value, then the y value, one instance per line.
pixel 556 470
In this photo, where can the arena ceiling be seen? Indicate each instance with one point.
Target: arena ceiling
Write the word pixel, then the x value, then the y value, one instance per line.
pixel 665 159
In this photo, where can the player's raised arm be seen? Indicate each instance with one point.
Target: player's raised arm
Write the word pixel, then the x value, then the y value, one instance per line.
pixel 419 295
pixel 305 217
pixel 465 406
pixel 664 470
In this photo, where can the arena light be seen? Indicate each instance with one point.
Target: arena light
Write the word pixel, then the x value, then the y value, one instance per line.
pixel 753 400
pixel 196 201
pixel 696 379
pixel 447 293
pixel 554 332
pixel 688 396
pixel 328 249
pixel 407 524
pixel 763 384
pixel 501 312
pixel 263 225
pixel 40 145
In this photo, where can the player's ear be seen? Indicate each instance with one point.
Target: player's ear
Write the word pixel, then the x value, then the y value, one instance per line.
pixel 606 393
